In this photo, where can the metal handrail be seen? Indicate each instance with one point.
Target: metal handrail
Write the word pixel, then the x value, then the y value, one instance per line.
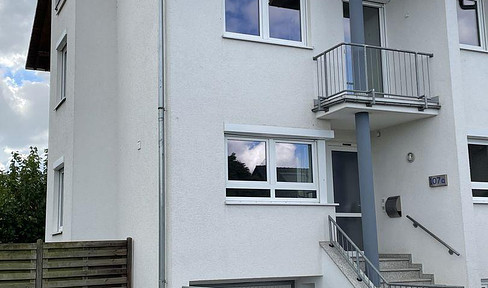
pixel 417 224
pixel 371 272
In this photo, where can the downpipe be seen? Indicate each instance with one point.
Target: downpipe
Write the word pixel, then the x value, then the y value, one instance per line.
pixel 161 150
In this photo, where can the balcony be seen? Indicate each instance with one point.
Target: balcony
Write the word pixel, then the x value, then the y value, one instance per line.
pixel 394 86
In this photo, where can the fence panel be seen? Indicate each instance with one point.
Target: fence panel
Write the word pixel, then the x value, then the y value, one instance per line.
pixel 66 264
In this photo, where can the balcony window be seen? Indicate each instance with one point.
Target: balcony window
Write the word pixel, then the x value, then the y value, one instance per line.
pixel 271 168
pixel 470 14
pixel 272 21
pixel 478 162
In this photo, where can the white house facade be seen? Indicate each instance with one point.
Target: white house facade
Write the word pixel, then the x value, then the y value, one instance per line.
pixel 221 135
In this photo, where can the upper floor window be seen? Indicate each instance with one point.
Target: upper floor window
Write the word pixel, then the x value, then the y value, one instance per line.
pixel 471 22
pixel 274 21
pixel 62 70
pixel 58 4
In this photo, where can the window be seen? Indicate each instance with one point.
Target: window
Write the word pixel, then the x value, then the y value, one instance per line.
pixel 471 22
pixel 484 283
pixel 58 4
pixel 275 284
pixel 59 199
pixel 478 163
pixel 271 168
pixel 62 49
pixel 274 21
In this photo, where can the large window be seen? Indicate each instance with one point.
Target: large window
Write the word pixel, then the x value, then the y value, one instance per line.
pixel 275 21
pixel 471 22
pixel 271 168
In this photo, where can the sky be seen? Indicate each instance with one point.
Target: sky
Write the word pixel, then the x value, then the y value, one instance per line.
pixel 23 93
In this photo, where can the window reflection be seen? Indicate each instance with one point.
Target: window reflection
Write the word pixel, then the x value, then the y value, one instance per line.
pixel 242 16
pixel 285 19
pixel 294 162
pixel 467 14
pixel 246 160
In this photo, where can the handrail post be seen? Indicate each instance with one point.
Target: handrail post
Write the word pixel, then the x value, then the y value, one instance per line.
pixel 366 80
pixel 39 263
pixel 417 73
pixel 331 240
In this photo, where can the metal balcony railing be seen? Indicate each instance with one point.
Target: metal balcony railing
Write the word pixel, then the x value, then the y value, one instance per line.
pixel 374 75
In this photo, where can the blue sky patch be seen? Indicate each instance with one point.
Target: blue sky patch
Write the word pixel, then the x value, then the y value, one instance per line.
pixel 20 76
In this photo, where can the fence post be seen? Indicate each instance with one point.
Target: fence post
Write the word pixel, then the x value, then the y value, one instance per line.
pixel 39 263
pixel 129 262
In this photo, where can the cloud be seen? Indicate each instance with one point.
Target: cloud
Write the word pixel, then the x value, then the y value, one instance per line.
pixel 251 153
pixel 23 94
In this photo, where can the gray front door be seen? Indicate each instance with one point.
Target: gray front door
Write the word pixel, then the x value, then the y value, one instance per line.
pixel 346 194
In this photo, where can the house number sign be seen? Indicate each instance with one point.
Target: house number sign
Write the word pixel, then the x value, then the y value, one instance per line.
pixel 438 180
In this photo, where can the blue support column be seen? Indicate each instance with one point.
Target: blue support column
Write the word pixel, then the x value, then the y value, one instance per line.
pixel 363 138
pixel 366 189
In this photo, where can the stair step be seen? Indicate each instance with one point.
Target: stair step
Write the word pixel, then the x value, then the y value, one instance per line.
pixel 392 263
pixel 416 281
pixel 398 274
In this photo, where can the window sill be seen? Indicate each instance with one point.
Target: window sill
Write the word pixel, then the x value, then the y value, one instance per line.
pixel 278 203
pixel 472 49
pixel 59 104
pixel 250 38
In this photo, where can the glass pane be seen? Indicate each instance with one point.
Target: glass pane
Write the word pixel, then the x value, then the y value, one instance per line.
pixel 246 160
pixel 242 16
pixel 353 227
pixel 480 193
pixel 467 14
pixel 296 194
pixel 346 181
pixel 294 162
pixel 248 192
pixel 478 162
pixel 285 20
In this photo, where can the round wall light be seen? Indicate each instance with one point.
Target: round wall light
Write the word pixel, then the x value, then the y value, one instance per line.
pixel 410 157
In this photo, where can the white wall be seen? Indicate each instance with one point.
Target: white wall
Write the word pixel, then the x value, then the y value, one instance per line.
pixel 473 79
pixel 212 81
pixel 137 73
pixel 440 148
pixel 61 122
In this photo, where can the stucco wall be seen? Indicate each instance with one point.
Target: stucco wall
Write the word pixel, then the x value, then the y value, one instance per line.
pixel 236 82
pixel 437 144
pixel 137 74
pixel 61 122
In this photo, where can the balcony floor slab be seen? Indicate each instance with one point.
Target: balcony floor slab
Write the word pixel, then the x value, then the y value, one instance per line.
pixel 341 115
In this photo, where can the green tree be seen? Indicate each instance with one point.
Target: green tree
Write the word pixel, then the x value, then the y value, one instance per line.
pixel 23 198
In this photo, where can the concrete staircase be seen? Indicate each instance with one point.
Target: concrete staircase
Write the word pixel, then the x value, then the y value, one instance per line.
pixel 398 268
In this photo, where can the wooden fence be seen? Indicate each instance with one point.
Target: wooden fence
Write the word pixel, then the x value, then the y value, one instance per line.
pixel 66 264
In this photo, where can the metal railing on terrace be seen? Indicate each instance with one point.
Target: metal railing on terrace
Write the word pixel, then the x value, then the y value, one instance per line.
pixel 372 75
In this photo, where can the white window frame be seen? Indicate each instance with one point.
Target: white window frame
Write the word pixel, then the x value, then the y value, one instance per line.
pixel 62 70
pixel 264 35
pixel 273 135
pixel 59 196
pixel 478 185
pixel 482 28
